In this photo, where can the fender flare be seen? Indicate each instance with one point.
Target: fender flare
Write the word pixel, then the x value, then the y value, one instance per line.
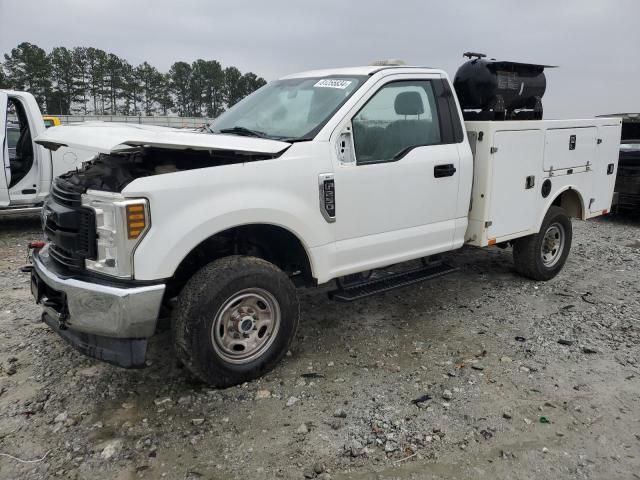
pixel 558 194
pixel 305 247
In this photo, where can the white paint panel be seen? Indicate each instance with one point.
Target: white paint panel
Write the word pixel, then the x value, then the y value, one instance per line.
pixel 5 173
pixel 558 153
pixel 399 203
pixel 107 137
pixel 388 196
pixel 607 153
pixel 502 202
pixel 66 159
pixel 374 251
pixel 189 206
pixel 513 206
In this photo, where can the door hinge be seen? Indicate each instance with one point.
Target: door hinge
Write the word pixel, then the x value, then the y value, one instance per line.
pixel 327 191
pixel 493 149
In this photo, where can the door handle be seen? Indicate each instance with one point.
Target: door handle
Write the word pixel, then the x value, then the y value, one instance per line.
pixel 446 170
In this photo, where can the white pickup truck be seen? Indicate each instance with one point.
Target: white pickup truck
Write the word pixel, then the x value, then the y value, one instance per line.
pixel 319 176
pixel 27 168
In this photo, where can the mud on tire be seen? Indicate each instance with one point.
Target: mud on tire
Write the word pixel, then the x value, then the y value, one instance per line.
pixel 234 320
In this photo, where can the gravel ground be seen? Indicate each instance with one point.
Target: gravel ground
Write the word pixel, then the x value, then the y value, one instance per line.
pixel 480 374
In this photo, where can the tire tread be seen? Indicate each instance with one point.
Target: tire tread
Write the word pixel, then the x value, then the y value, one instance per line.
pixel 213 277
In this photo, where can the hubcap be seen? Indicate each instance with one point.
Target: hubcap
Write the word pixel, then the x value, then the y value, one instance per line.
pixel 246 325
pixel 552 244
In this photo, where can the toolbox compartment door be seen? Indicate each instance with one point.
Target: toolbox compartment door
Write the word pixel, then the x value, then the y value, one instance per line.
pixel 513 201
pixel 569 148
pixel 605 168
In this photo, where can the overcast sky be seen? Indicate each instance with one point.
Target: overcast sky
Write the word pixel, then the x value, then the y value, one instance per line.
pixel 595 43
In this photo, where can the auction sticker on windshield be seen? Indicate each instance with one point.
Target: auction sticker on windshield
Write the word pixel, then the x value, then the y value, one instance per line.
pixel 333 83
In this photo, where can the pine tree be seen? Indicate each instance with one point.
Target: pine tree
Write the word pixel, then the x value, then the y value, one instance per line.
pixel 114 81
pixel 96 70
pixel 163 95
pixel 83 73
pixel 65 91
pixel 130 89
pixel 89 79
pixel 250 82
pixel 180 73
pixel 197 86
pixel 213 88
pixel 28 68
pixel 3 77
pixel 151 83
pixel 233 88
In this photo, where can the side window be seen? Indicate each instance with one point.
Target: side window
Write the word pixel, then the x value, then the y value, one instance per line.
pixel 13 134
pixel 400 116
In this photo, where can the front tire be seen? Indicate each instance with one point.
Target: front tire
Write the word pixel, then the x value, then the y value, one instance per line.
pixel 234 320
pixel 542 256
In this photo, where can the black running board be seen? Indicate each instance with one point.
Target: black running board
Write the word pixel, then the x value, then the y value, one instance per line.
pixel 390 282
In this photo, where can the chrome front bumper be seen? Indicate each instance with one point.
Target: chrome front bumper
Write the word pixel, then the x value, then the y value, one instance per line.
pixel 97 308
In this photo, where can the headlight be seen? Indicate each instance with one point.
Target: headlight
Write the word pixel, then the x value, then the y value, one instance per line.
pixel 120 225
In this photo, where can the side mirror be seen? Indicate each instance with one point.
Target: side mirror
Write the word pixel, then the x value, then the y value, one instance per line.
pixel 344 146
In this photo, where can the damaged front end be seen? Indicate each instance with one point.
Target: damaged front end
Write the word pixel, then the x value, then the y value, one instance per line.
pixel 92 227
pixel 114 171
pixel 106 320
pixel 84 276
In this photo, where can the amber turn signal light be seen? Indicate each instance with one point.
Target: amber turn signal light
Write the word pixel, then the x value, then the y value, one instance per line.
pixel 136 221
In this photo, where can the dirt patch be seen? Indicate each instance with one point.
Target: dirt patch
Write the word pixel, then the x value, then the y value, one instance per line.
pixel 480 374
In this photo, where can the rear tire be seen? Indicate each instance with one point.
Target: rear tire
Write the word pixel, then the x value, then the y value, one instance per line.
pixel 542 256
pixel 234 320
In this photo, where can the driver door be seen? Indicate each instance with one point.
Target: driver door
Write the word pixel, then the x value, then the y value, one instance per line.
pixel 396 198
pixel 5 175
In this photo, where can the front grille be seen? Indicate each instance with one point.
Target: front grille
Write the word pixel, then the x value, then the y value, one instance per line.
pixel 63 193
pixel 69 227
pixel 65 257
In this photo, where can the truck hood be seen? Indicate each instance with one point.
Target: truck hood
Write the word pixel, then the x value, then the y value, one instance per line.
pixel 106 137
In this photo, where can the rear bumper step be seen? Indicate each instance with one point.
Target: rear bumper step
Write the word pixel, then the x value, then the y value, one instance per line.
pixel 390 282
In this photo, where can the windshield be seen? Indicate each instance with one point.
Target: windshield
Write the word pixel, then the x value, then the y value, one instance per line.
pixel 292 109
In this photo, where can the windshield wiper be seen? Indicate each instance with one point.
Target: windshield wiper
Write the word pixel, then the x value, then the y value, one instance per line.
pixel 244 131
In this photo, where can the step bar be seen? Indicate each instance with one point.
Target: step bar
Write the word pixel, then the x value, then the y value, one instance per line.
pixel 390 281
pixel 15 211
